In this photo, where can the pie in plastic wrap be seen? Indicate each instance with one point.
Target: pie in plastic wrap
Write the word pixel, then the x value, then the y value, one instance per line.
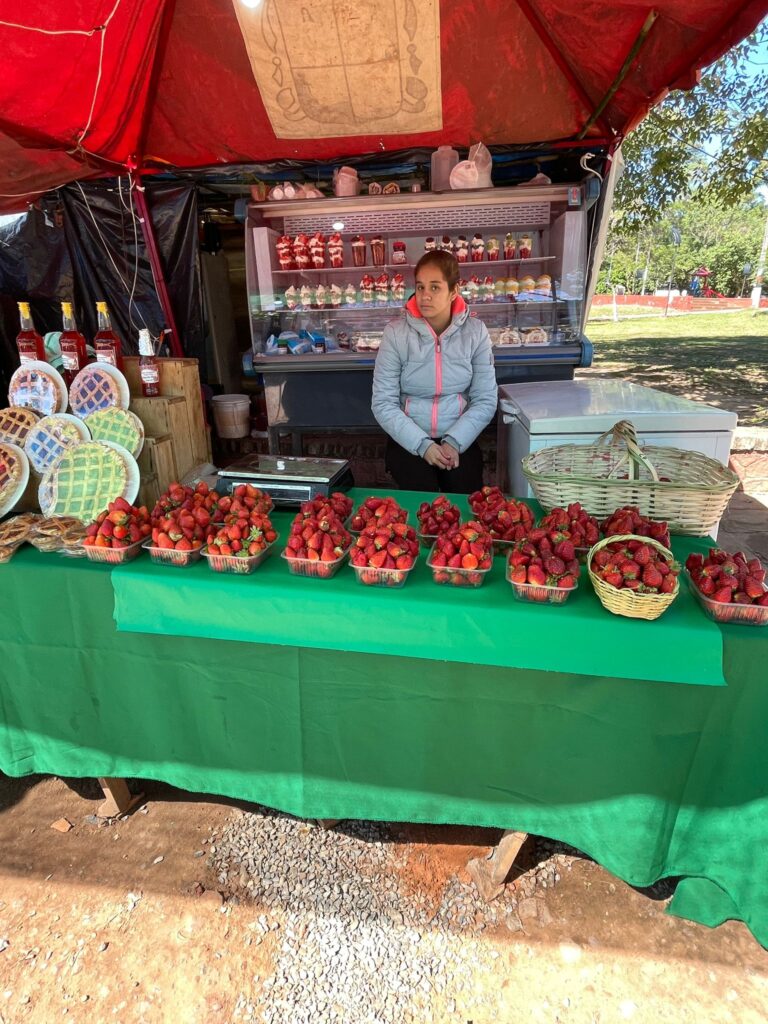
pixel 96 387
pixel 37 385
pixel 16 422
pixel 119 426
pixel 86 478
pixel 50 437
pixel 14 475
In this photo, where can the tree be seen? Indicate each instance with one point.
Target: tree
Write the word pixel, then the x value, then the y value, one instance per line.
pixel 723 238
pixel 709 143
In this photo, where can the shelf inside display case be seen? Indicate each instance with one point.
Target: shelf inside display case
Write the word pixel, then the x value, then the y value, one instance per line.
pixel 546 223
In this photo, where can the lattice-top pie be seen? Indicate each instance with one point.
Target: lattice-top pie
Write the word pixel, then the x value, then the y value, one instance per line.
pixel 119 426
pixel 16 422
pixel 84 480
pixel 38 386
pixel 98 387
pixel 50 437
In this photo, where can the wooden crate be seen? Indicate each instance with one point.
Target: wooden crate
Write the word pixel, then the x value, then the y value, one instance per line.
pixel 149 491
pixel 158 459
pixel 179 378
pixel 162 416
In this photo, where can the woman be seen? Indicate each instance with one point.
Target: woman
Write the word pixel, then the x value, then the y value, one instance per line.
pixel 434 385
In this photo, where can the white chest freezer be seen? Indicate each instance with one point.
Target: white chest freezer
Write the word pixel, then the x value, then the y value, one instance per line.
pixel 534 416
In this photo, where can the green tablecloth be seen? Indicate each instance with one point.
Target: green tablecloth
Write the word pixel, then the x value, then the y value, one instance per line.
pixel 650 779
pixel 486 626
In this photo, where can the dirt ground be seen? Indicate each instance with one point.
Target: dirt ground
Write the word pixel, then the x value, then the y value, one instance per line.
pixel 124 923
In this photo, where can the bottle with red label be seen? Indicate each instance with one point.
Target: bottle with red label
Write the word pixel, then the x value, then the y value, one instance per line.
pixel 29 343
pixel 107 344
pixel 149 367
pixel 74 354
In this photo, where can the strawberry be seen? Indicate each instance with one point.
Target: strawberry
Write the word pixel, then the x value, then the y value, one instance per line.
pixel 652 577
pixel 536 575
pixel 519 574
pixel 753 587
pixel 722 595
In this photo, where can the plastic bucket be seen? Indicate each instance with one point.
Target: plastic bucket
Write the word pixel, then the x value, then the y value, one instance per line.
pixel 232 415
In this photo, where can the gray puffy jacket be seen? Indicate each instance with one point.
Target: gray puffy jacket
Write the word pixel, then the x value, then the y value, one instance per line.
pixel 428 387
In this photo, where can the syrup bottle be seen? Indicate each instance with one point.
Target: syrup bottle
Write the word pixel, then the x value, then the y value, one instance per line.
pixel 74 354
pixel 29 343
pixel 149 367
pixel 107 344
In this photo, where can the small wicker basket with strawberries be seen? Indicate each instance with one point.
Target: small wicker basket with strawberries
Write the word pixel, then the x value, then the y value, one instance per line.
pixel 634 576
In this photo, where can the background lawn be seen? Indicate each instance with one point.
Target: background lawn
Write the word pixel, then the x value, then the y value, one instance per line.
pixel 718 358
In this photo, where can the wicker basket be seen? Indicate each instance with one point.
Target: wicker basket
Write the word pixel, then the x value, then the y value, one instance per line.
pixel 629 602
pixel 692 503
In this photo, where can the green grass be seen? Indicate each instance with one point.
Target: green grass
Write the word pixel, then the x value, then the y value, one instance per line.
pixel 720 359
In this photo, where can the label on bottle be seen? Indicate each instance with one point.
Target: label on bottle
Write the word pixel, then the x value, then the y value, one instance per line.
pixel 150 374
pixel 70 361
pixel 27 352
pixel 106 354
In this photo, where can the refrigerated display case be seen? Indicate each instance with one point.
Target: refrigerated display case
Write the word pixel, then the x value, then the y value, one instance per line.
pixel 525 276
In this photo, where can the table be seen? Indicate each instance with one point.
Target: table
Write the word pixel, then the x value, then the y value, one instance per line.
pixel 650 778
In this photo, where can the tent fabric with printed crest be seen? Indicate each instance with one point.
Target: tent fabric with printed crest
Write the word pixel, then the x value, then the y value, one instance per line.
pixel 90 85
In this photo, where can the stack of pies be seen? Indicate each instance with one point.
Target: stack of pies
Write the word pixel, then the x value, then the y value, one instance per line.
pixel 14 532
pixel 59 533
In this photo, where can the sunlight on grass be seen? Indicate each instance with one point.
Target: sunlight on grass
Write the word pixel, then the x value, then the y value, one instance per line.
pixel 718 359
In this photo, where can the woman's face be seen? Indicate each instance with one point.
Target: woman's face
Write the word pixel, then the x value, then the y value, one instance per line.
pixel 433 296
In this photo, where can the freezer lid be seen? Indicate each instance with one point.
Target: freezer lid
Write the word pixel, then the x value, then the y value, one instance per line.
pixel 593 406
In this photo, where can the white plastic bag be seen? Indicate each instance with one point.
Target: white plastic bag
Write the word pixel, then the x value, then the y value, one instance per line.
pixel 475 172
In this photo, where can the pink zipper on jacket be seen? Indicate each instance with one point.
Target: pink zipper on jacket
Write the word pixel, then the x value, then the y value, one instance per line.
pixel 438 380
pixel 457 306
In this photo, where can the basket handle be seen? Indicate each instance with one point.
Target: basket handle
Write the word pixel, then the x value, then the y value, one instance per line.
pixel 624 431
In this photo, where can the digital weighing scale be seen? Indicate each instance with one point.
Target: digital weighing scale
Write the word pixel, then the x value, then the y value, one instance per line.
pixel 288 479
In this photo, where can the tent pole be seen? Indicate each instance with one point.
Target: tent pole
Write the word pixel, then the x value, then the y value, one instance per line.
pixel 147 229
pixel 541 31
pixel 623 72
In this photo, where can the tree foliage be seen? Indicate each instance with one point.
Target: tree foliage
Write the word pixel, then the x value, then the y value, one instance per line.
pixel 709 143
pixel 725 239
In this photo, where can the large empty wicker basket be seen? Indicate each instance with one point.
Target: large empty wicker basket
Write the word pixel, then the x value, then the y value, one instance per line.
pixel 688 490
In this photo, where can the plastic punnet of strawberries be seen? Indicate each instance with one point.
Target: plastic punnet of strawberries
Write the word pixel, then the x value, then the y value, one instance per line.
pixel 505 519
pixel 381 511
pixel 182 515
pixel 463 556
pixel 633 565
pixel 320 539
pixel 729 579
pixel 337 504
pixel 118 526
pixel 542 569
pixel 393 547
pixel 242 537
pixel 442 516
pixel 244 499
pixel 630 520
pixel 572 523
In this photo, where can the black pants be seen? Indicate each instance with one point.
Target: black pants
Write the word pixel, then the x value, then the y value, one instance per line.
pixel 412 473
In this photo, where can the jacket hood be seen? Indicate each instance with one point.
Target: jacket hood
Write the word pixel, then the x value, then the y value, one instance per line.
pixel 459 310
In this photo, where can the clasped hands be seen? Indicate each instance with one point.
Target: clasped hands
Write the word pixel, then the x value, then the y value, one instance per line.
pixel 442 456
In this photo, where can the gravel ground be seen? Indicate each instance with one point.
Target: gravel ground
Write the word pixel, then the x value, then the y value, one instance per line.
pixel 351 946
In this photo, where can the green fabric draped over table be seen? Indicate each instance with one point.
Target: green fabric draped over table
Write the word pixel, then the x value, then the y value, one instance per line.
pixel 485 626
pixel 650 779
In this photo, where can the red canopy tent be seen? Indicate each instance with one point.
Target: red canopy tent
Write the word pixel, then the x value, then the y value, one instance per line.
pixel 94 86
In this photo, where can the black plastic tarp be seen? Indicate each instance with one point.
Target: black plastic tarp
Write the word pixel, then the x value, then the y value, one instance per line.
pixel 87 245
pixel 110 259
